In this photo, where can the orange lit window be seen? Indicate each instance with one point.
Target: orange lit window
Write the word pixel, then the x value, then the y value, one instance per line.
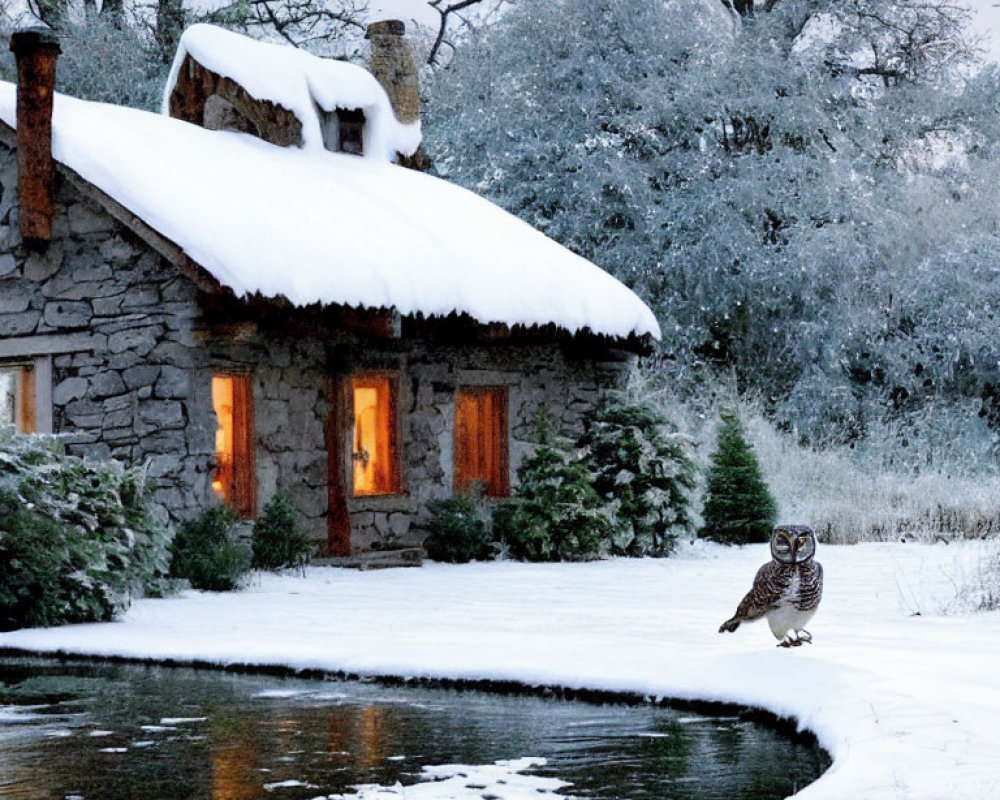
pixel 17 398
pixel 234 479
pixel 481 441
pixel 375 456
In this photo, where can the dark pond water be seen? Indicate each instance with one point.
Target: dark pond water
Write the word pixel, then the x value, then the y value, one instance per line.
pixel 74 731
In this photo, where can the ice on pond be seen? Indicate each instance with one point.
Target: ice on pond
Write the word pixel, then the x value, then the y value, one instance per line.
pixel 12 715
pixel 279 694
pixel 289 784
pixel 501 780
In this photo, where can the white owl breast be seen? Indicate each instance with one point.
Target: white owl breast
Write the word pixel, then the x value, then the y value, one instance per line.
pixel 785 616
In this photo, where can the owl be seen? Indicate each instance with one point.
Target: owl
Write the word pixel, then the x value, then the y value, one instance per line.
pixel 786 590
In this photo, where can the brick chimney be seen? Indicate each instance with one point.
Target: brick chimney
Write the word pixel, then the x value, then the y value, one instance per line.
pixel 36 51
pixel 392 64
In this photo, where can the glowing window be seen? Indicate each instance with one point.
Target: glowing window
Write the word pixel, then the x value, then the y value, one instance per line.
pixel 17 398
pixel 481 441
pixel 235 471
pixel 375 456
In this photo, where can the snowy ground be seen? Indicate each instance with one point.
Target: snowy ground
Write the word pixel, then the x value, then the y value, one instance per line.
pixel 907 703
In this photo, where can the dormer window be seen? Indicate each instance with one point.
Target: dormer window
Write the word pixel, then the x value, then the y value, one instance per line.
pixel 344 131
pixel 352 125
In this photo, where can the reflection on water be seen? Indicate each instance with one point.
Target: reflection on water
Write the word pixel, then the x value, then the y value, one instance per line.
pixel 115 732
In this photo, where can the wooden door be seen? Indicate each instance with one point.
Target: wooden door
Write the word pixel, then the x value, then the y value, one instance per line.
pixel 338 519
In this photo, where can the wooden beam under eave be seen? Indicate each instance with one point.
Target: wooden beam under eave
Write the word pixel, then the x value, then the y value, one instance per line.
pixel 377 323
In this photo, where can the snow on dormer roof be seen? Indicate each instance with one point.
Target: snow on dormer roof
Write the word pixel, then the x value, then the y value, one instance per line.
pixel 301 82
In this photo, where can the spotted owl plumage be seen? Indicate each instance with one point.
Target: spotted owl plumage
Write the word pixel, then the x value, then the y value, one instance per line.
pixel 786 590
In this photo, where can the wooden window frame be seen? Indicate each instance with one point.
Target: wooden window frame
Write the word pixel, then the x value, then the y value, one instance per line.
pixel 491 471
pixel 241 492
pixel 26 395
pixel 394 477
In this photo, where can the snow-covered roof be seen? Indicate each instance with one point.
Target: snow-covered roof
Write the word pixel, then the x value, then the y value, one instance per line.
pixel 301 82
pixel 320 227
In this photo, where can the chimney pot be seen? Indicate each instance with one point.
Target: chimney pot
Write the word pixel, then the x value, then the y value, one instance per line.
pixel 36 51
pixel 386 27
pixel 393 66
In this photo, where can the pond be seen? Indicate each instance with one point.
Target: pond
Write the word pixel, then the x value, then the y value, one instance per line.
pixel 95 731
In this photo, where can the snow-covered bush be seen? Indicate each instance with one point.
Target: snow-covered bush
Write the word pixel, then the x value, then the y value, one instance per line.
pixel 974 579
pixel 276 543
pixel 642 467
pixel 78 538
pixel 460 531
pixel 986 590
pixel 207 552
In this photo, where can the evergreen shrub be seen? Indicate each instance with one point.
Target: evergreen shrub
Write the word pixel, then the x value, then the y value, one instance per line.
pixel 643 471
pixel 555 514
pixel 460 531
pixel 276 543
pixel 78 538
pixel 739 507
pixel 206 551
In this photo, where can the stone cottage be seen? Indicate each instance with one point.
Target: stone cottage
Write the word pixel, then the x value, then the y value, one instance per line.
pixel 248 294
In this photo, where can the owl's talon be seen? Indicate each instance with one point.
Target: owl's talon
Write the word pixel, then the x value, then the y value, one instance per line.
pixel 806 637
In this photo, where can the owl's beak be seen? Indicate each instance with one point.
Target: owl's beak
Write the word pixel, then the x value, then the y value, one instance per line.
pixel 795 550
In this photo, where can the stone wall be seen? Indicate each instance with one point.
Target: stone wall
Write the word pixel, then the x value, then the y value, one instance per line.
pixel 536 377
pixel 291 407
pixel 292 403
pixel 113 323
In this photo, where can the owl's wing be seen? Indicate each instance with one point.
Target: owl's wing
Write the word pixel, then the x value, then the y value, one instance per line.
pixel 811 586
pixel 763 595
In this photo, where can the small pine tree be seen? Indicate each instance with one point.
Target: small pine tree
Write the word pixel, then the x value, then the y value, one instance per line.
pixel 206 553
pixel 739 508
pixel 647 474
pixel 459 530
pixel 555 514
pixel 276 543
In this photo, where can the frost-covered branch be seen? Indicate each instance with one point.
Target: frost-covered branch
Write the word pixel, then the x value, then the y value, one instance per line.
pixel 302 23
pixel 445 13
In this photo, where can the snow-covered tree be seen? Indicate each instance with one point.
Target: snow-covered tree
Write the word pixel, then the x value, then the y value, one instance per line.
pixel 79 539
pixel 770 177
pixel 642 468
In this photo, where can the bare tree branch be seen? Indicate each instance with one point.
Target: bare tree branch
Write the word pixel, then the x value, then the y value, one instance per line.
pixel 301 23
pixel 445 12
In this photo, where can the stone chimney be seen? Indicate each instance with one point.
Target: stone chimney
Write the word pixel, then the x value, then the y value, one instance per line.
pixel 393 66
pixel 36 51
